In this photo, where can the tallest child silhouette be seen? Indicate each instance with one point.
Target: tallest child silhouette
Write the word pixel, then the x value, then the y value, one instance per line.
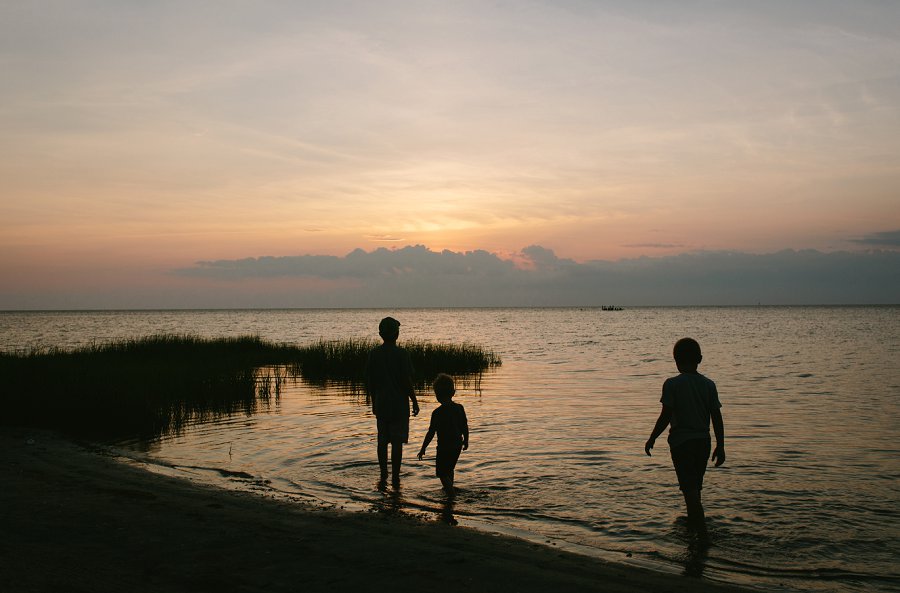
pixel 390 387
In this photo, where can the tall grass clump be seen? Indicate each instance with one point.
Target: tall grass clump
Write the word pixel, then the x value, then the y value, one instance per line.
pixel 430 359
pixel 339 361
pixel 135 388
pixel 344 361
pixel 144 388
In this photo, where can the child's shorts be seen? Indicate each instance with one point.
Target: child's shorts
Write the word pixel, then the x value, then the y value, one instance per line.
pixel 446 460
pixel 689 459
pixel 393 430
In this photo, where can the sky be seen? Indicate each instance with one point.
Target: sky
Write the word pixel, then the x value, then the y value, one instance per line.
pixel 290 153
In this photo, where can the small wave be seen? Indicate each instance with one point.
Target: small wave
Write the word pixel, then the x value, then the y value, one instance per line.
pixel 350 465
pixel 225 473
pixel 805 573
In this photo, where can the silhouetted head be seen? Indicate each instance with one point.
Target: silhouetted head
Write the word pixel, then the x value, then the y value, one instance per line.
pixel 443 387
pixel 389 329
pixel 687 354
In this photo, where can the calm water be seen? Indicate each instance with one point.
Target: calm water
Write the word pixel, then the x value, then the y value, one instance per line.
pixel 808 498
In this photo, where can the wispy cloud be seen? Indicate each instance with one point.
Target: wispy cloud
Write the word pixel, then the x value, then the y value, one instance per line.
pixel 386 238
pixel 882 239
pixel 654 245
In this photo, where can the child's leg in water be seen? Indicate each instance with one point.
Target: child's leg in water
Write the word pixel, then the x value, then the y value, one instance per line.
pixel 696 517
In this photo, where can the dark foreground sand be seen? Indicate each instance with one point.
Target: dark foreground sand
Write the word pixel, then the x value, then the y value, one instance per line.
pixel 72 520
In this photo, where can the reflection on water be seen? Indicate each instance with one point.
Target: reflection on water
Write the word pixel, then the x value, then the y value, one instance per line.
pixel 807 499
pixel 695 548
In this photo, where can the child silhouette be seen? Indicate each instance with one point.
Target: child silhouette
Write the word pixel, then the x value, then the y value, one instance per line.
pixel 689 402
pixel 450 424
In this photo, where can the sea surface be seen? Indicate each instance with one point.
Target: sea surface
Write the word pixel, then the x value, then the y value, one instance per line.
pixel 808 499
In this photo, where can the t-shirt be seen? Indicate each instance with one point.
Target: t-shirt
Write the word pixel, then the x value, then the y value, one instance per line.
pixel 450 423
pixel 388 378
pixel 690 397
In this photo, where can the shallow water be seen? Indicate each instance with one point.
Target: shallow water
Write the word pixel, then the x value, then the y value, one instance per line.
pixel 806 500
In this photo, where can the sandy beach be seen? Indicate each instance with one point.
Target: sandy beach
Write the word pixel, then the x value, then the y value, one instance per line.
pixel 75 520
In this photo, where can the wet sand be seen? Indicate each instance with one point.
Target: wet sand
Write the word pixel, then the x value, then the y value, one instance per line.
pixel 74 520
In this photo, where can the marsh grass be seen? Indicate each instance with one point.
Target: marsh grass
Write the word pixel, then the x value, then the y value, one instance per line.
pixel 136 388
pixel 144 388
pixel 345 361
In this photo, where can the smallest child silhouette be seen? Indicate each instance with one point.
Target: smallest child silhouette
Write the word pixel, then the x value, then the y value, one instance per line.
pixel 452 427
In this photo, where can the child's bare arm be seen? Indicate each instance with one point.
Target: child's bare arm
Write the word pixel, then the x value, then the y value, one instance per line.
pixel 718 454
pixel 465 429
pixel 665 416
pixel 428 436
pixel 411 393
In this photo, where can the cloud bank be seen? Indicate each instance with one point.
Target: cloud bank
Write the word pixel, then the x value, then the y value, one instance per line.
pixel 415 276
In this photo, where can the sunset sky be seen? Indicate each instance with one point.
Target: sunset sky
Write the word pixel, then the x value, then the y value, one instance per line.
pixel 148 146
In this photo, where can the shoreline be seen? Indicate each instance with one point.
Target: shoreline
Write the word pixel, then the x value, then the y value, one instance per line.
pixel 77 520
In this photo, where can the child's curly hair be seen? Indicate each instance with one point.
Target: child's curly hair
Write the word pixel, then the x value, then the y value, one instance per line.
pixel 443 386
